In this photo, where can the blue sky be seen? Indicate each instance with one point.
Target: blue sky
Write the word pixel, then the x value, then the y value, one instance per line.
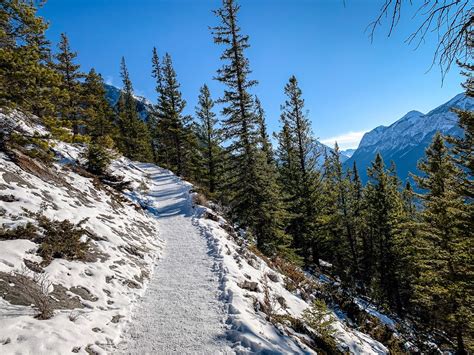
pixel 350 85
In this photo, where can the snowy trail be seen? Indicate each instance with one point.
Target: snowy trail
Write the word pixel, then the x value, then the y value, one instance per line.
pixel 180 312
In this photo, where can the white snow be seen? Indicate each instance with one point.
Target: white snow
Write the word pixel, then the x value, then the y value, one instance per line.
pixel 181 312
pixel 118 223
pixel 412 128
pixel 194 302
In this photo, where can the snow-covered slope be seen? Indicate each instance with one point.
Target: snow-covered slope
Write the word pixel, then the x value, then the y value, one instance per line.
pixel 405 140
pixel 96 295
pixel 258 303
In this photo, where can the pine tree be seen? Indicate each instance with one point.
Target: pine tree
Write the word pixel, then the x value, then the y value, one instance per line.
pixel 383 216
pixel 134 138
pixel 445 275
pixel 27 80
pixel 209 140
pixel 265 143
pixel 253 191
pixel 69 105
pixel 297 144
pixel 98 114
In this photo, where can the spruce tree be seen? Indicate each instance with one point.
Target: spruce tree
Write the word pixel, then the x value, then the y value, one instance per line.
pixel 69 106
pixel 265 143
pixel 303 181
pixel 209 140
pixel 338 218
pixel 98 114
pixel 384 214
pixel 158 151
pixel 27 79
pixel 173 134
pixel 253 191
pixel 445 275
pixel 134 138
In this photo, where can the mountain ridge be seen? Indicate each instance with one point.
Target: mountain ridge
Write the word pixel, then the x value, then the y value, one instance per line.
pixel 405 140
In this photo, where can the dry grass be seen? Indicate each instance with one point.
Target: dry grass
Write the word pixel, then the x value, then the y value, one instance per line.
pixel 200 199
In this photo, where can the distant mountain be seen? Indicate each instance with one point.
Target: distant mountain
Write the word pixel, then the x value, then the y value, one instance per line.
pixel 404 142
pixel 347 153
pixel 144 106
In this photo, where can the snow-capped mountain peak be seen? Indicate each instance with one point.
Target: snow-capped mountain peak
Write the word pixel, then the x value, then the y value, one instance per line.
pixel 405 140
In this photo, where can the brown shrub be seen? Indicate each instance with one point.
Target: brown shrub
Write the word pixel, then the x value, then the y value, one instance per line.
pixel 200 199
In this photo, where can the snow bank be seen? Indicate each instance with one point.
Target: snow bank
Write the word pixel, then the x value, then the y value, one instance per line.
pixel 126 248
pixel 249 328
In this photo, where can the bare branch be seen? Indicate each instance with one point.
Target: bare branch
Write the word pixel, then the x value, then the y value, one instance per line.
pixel 451 20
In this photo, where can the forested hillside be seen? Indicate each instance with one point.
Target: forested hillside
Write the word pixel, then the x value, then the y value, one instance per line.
pixel 401 252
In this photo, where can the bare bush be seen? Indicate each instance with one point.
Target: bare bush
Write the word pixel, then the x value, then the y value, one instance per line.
pixel 37 287
pixel 27 231
pixel 200 199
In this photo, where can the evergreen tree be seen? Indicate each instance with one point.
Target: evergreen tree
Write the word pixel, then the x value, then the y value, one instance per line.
pixel 134 138
pixel 27 80
pixel 209 140
pixel 301 184
pixel 383 216
pixel 338 220
pixel 176 142
pixel 265 143
pixel 445 273
pixel 158 152
pixel 69 106
pixel 98 114
pixel 253 191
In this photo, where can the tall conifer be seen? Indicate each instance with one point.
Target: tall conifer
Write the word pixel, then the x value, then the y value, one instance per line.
pixel 444 260
pixel 298 144
pixel 209 140
pixel 134 138
pixel 254 193
pixel 69 106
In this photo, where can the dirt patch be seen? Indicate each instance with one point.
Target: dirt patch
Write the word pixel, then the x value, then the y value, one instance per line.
pixel 37 168
pixel 12 292
pixel 84 293
pixel 12 178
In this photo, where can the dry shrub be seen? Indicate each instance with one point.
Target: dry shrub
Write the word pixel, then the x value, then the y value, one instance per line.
pixel 200 199
pixel 35 146
pixel 294 276
pixel 37 287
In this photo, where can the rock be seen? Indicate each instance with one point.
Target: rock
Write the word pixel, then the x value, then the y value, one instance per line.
pixel 273 277
pixel 116 318
pixel 33 266
pixel 250 285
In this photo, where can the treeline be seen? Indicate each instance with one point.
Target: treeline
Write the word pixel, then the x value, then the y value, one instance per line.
pixel 408 252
